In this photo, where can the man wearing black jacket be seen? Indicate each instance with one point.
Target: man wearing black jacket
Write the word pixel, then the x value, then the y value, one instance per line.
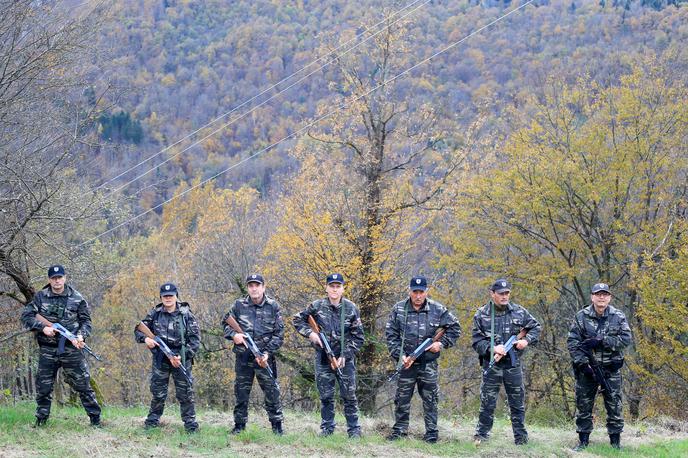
pixel 598 336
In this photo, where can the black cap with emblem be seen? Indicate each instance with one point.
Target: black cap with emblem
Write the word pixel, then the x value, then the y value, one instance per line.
pixel 500 286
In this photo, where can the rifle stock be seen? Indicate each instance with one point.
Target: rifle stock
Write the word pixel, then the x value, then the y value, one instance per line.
pixel 145 330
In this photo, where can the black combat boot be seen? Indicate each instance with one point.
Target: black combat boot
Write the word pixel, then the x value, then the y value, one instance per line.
pixel 396 435
pixel 277 428
pixel 523 440
pixel 238 428
pixel 583 441
pixel 150 425
pixel 40 422
pixel 95 422
pixel 615 440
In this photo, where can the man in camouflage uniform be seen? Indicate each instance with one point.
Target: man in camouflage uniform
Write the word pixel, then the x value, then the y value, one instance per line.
pixel 339 319
pixel 411 322
pixel 258 316
pixel 599 334
pixel 174 323
pixel 493 324
pixel 60 303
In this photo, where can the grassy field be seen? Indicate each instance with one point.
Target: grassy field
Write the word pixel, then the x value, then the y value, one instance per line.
pixel 68 434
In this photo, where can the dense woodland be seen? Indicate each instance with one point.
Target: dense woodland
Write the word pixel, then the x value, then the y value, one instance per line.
pixel 550 147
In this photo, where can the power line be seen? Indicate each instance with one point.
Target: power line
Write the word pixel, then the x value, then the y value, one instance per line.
pixel 309 125
pixel 109 180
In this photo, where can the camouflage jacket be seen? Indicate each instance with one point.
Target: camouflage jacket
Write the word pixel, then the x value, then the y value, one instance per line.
pixel 613 328
pixel 417 325
pixel 508 322
pixel 69 309
pixel 169 326
pixel 263 322
pixel 328 318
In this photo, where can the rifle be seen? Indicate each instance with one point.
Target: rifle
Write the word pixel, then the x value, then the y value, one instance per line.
pixel 597 371
pixel 417 353
pixel 164 348
pixel 507 346
pixel 328 350
pixel 250 345
pixel 67 334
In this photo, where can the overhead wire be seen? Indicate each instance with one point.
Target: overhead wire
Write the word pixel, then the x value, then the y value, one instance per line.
pixel 307 126
pixel 233 110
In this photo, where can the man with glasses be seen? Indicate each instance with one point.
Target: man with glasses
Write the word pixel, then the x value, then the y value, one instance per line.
pixel 493 325
pixel 598 336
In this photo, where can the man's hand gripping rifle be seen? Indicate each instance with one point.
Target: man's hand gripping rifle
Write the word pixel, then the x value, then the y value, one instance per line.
pixel 250 344
pixel 68 335
pixel 508 346
pixel 164 348
pixel 417 353
pixel 325 344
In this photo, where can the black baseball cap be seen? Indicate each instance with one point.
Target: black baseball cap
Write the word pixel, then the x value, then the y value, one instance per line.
pixel 500 285
pixel 56 271
pixel 597 287
pixel 168 289
pixel 255 278
pixel 335 278
pixel 418 284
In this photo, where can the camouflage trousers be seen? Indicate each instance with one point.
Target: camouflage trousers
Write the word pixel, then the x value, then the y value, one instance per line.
pixel 512 378
pixel 586 390
pixel 325 379
pixel 75 370
pixel 160 378
pixel 424 376
pixel 245 372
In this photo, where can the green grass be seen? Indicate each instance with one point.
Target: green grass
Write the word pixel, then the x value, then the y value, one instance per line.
pixel 69 434
pixel 670 449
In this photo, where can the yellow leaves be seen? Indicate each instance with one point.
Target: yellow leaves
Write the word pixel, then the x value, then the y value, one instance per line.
pixel 590 184
pixel 478 56
pixel 588 173
pixel 309 244
pixel 213 145
pixel 202 233
pixel 661 283
pixel 168 80
pixel 484 93
pixel 425 83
